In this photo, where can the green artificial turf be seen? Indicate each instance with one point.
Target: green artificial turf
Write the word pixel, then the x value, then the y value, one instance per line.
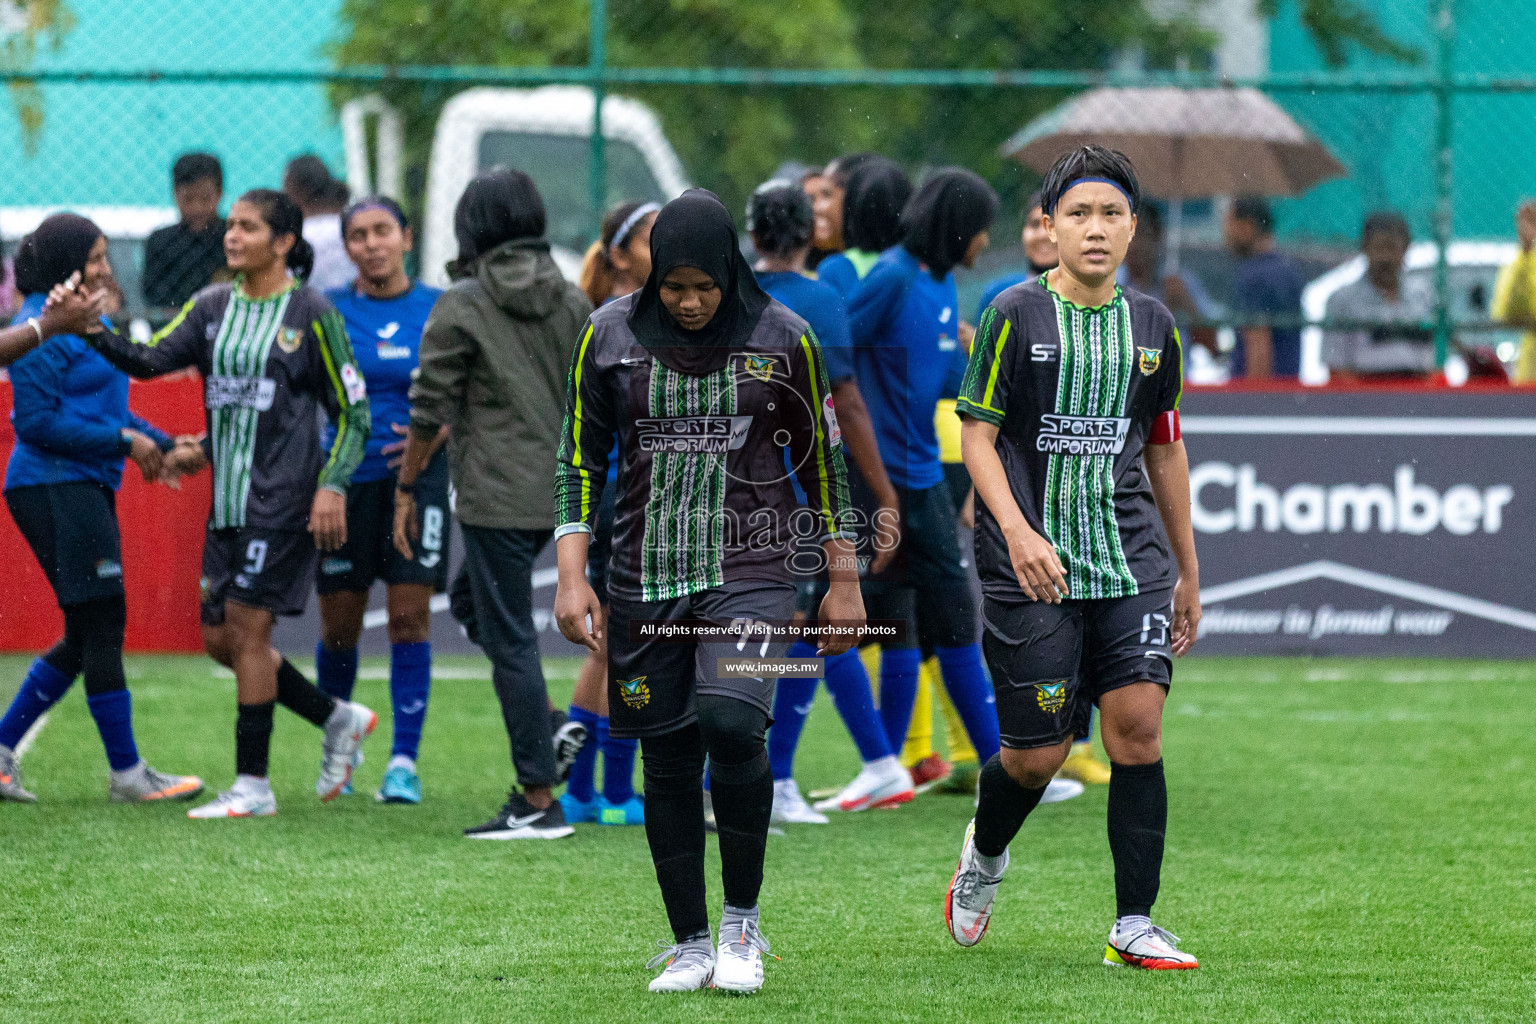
pixel 1349 841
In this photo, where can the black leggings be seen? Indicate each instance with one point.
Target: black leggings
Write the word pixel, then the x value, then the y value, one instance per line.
pixel 93 644
pixel 731 733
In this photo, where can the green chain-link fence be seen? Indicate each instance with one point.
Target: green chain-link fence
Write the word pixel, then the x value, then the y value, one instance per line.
pixel 1424 103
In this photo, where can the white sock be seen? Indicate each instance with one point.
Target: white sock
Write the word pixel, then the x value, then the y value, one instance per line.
pixel 1131 923
pixel 252 784
pixel 992 867
pixel 401 761
pixel 890 763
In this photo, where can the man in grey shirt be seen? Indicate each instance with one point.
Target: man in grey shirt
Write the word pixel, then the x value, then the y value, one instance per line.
pixel 1383 318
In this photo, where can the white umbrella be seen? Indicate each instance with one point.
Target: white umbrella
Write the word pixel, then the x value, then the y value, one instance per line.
pixel 1185 143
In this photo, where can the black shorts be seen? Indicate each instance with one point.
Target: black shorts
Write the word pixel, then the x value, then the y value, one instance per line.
pixel 600 551
pixel 652 683
pixel 261 568
pixel 72 530
pixel 1051 663
pixel 369 553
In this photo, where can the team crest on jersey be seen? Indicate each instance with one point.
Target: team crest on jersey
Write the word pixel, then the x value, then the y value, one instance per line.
pixel 634 692
pixel 1148 360
pixel 1051 697
pixel 289 340
pixel 760 367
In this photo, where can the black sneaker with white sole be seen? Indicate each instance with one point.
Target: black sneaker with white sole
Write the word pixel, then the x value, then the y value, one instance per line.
pixel 518 819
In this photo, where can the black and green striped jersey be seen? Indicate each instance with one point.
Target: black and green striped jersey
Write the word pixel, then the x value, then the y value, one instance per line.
pixel 1074 393
pixel 268 366
pixel 705 462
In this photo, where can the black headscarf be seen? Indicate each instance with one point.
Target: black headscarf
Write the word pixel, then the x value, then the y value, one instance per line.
pixel 60 246
pixel 938 223
pixel 696 230
pixel 497 207
pixel 877 191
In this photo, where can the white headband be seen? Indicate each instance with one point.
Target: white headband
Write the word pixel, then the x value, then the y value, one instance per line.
pixel 641 212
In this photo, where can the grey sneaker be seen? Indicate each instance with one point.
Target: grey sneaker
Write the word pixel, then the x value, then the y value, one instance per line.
pixel 345 731
pixel 690 966
pixel 10 779
pixel 143 784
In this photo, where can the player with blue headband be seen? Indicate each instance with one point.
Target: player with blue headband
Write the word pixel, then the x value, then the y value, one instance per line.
pixel 1084 545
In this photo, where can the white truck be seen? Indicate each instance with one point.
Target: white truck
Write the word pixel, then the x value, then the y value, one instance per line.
pixel 544 132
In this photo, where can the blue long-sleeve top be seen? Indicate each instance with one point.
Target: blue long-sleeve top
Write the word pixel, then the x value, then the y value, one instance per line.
pixel 905 326
pixel 69 408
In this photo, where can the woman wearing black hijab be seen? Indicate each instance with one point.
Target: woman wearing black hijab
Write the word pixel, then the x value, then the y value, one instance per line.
pixel 494 354
pixel 705 381
pixel 73 432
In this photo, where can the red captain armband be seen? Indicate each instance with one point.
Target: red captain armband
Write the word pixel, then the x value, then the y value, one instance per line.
pixel 1165 429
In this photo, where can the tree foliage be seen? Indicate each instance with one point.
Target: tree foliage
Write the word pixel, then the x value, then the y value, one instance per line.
pixel 1335 24
pixel 24 25
pixel 731 138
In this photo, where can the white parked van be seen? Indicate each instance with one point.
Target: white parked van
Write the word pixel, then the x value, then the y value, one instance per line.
pixel 544 132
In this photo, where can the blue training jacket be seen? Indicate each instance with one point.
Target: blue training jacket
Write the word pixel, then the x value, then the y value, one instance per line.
pixel 906 327
pixel 69 408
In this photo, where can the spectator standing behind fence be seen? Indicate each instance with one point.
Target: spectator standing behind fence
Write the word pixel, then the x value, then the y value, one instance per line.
pixel 308 182
pixel 1514 292
pixel 1382 317
pixel 494 358
pixel 183 259
pixel 1266 296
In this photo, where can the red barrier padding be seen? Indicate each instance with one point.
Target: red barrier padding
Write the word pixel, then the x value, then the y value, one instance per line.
pixel 162 540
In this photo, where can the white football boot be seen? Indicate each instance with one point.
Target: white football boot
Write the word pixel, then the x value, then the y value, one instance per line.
pixel 739 960
pixel 790 808
pixel 881 783
pixel 1140 943
pixel 690 966
pixel 968 904
pixel 247 798
pixel 345 731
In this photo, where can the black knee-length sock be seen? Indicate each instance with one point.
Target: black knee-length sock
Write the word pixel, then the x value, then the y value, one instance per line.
pixel 302 697
pixel 674 826
pixel 743 797
pixel 1003 806
pixel 1138 821
pixel 253 738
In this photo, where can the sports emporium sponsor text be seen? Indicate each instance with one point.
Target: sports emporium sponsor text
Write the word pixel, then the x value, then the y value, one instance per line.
pixel 693 435
pixel 1082 435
